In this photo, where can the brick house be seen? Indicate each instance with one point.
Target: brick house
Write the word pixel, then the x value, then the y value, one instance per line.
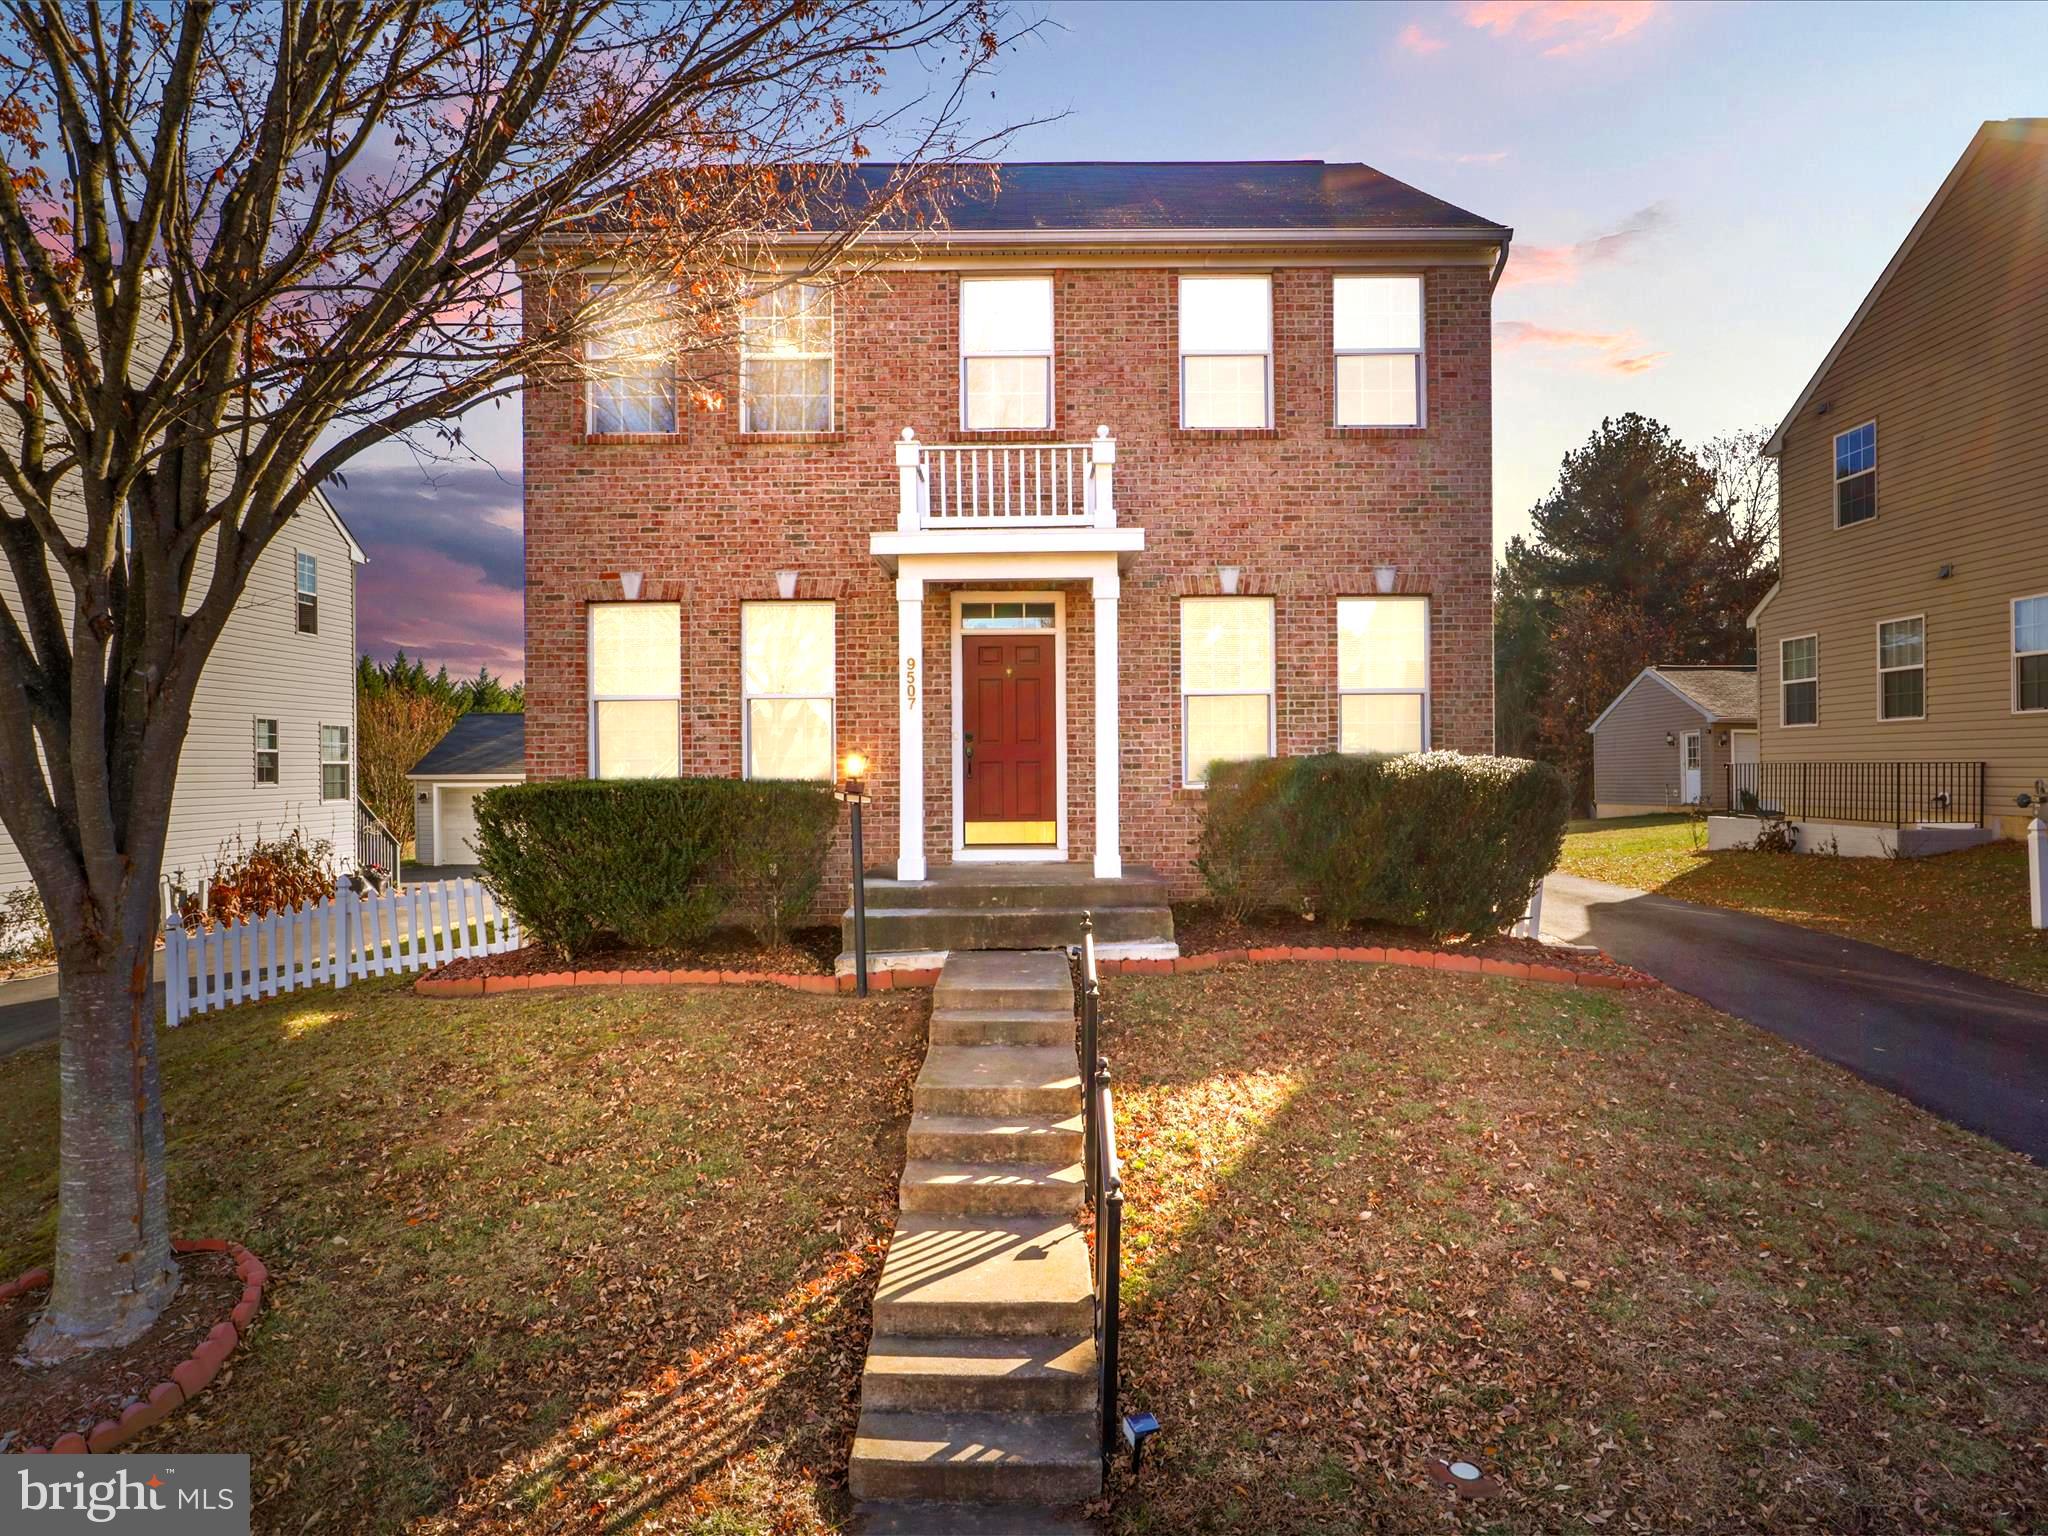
pixel 1131 467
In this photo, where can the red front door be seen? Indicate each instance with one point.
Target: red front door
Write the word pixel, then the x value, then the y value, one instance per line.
pixel 1009 775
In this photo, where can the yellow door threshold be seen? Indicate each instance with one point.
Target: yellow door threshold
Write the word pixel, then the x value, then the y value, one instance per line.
pixel 1021 834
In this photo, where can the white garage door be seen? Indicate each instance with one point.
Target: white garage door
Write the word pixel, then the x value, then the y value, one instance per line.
pixel 458 826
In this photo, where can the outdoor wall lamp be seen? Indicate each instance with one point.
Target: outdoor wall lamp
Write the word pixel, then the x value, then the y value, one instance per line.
pixel 1226 579
pixel 785 587
pixel 1670 740
pixel 853 772
pixel 629 583
pixel 1384 577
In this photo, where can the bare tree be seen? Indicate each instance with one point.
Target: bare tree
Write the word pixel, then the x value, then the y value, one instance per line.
pixel 1744 498
pixel 239 245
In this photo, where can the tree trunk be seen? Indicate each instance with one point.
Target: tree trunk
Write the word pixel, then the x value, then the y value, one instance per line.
pixel 114 1272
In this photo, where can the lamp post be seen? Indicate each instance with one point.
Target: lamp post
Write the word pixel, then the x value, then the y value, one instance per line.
pixel 853 769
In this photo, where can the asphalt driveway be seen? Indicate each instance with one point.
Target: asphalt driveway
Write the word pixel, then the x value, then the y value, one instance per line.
pixel 1972 1050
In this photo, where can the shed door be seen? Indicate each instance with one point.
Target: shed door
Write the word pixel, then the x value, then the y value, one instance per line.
pixel 1689 777
pixel 458 826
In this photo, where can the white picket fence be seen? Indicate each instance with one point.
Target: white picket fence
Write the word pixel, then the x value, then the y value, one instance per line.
pixel 328 943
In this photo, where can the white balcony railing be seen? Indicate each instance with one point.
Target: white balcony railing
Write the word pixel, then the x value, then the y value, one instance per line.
pixel 1006 485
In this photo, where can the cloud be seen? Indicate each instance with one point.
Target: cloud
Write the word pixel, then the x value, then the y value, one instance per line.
pixel 1611 351
pixel 1489 157
pixel 1529 265
pixel 1414 40
pixel 1560 28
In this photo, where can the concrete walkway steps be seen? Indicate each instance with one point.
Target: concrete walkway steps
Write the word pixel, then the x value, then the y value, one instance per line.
pixel 1008 908
pixel 980 1398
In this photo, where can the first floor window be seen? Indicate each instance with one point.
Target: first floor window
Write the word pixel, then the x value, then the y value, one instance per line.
pixel 1376 323
pixel 636 689
pixel 1226 352
pixel 1856 475
pixel 786 360
pixel 1226 681
pixel 1799 681
pixel 266 752
pixel 1382 674
pixel 787 667
pixel 2030 652
pixel 1902 669
pixel 333 762
pixel 632 384
pixel 1006 353
pixel 306 583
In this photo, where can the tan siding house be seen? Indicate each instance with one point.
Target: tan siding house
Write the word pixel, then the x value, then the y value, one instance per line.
pixel 1668 736
pixel 1914 493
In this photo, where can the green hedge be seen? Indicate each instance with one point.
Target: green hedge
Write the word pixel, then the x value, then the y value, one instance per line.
pixel 653 863
pixel 1438 841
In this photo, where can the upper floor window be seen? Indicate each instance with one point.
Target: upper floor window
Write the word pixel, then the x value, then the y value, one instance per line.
pixel 786 674
pixel 636 689
pixel 786 360
pixel 1226 352
pixel 1856 475
pixel 1902 669
pixel 2030 652
pixel 1377 326
pixel 1226 681
pixel 333 762
pixel 1006 353
pixel 266 751
pixel 632 385
pixel 1799 681
pixel 1382 674
pixel 306 585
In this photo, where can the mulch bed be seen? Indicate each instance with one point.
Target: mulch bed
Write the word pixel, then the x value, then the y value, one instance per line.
pixel 805 952
pixel 38 1405
pixel 1201 929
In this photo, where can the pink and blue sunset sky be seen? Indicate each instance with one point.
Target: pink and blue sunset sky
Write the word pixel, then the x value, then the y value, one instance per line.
pixel 1701 195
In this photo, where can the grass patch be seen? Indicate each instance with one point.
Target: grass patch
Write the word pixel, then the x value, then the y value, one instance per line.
pixel 1966 909
pixel 1655 1270
pixel 574 1261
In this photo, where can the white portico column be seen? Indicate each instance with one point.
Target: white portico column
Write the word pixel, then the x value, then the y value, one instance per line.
pixel 910 725
pixel 1109 858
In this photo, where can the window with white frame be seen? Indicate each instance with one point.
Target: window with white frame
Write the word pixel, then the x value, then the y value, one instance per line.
pixel 786 360
pixel 1226 681
pixel 1799 680
pixel 334 784
pixel 1226 352
pixel 1856 475
pixel 1006 353
pixel 632 386
pixel 1382 674
pixel 1902 669
pixel 266 751
pixel 2030 652
pixel 306 594
pixel 636 688
pixel 1376 323
pixel 787 676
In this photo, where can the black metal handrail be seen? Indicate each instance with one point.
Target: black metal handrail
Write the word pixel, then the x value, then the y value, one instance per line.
pixel 376 843
pixel 1878 792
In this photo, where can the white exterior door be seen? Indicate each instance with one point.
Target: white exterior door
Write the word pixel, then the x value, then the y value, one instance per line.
pixel 1743 758
pixel 456 843
pixel 1689 767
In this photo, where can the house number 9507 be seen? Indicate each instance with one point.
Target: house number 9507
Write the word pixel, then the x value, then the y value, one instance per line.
pixel 910 679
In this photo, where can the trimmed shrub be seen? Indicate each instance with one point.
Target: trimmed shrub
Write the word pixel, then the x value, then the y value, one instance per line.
pixel 1437 841
pixel 652 863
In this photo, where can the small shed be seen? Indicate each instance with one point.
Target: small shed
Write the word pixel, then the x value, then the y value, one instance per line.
pixel 479 752
pixel 1670 737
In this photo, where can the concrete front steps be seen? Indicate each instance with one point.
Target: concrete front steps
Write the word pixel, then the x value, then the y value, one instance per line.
pixel 1012 907
pixel 980 1399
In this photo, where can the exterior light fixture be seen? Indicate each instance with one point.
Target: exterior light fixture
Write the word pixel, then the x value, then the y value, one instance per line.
pixel 853 772
pixel 1384 577
pixel 785 584
pixel 1226 578
pixel 1670 740
pixel 629 583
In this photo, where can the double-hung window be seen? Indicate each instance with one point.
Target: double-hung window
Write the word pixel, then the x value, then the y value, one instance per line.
pixel 266 752
pixel 1226 352
pixel 1856 475
pixel 636 689
pixel 632 384
pixel 1902 669
pixel 1382 674
pixel 333 762
pixel 1799 680
pixel 1377 326
pixel 1226 681
pixel 1006 353
pixel 786 677
pixel 2030 652
pixel 306 594
pixel 786 360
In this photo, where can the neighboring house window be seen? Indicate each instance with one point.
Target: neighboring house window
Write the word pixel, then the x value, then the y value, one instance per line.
pixel 633 385
pixel 2030 652
pixel 786 676
pixel 1902 669
pixel 1377 325
pixel 786 360
pixel 266 751
pixel 1226 681
pixel 333 762
pixel 636 689
pixel 1856 475
pixel 1006 353
pixel 1382 674
pixel 1799 681
pixel 1226 352
pixel 307 585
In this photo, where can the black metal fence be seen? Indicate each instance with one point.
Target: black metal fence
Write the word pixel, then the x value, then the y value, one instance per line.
pixel 1878 793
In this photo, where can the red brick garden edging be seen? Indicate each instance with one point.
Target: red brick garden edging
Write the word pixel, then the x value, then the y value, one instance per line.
pixel 189 1378
pixel 481 986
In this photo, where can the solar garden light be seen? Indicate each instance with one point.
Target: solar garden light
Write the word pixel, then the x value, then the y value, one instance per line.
pixel 853 773
pixel 1138 1428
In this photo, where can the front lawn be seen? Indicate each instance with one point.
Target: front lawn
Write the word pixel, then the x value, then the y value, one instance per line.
pixel 1652 1269
pixel 582 1260
pixel 1965 909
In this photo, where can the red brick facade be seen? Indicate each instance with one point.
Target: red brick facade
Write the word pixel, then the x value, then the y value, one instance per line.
pixel 1307 511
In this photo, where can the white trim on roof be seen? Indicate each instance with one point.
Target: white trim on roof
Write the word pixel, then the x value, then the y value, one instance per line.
pixel 1676 692
pixel 1750 622
pixel 355 550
